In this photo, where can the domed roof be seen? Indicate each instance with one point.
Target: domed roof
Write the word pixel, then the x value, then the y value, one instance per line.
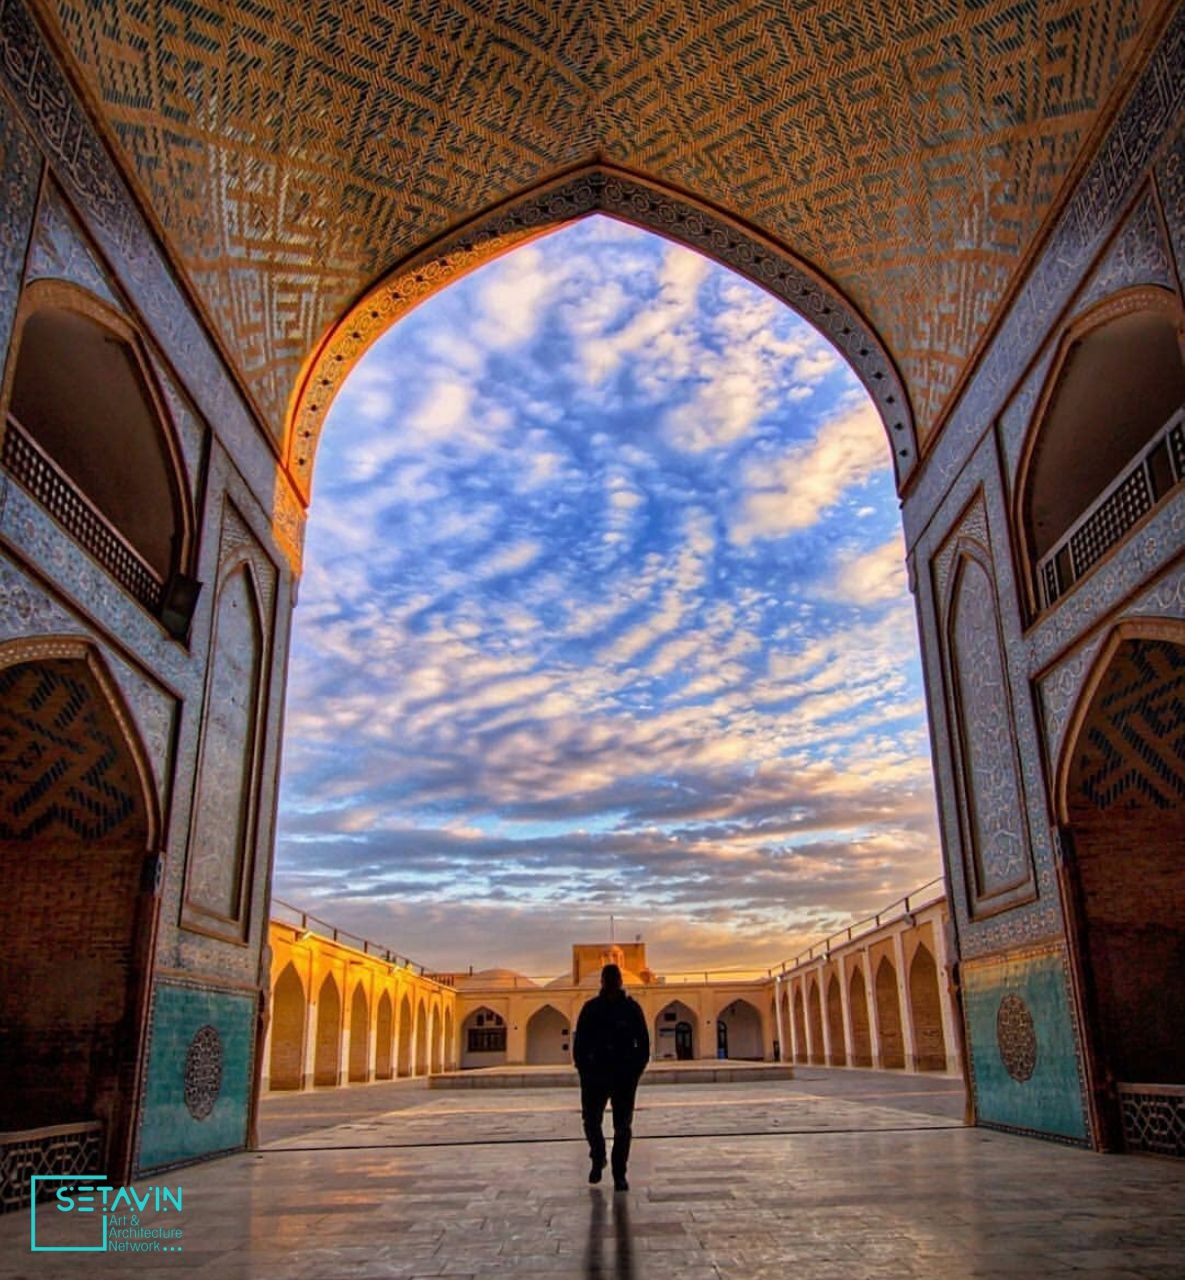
pixel 484 979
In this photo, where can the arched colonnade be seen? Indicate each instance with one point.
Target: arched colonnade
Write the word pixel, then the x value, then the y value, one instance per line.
pixel 340 1016
pixel 879 1000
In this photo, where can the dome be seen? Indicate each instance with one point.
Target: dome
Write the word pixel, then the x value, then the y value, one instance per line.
pixel 484 979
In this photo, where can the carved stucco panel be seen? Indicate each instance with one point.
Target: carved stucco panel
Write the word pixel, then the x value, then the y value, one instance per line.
pixel 27 610
pixel 60 251
pixel 993 799
pixel 20 169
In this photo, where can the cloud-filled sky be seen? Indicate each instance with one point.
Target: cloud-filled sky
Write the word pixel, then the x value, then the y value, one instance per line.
pixel 603 611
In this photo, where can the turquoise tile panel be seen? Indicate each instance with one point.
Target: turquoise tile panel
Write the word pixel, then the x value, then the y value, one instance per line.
pixel 1050 1100
pixel 170 1132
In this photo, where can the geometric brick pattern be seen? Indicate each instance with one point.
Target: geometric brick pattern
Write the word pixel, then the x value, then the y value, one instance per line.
pixel 294 152
pixel 606 190
pixel 65 772
pixel 1131 751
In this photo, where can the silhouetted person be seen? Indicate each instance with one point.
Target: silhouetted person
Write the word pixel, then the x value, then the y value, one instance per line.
pixel 611 1049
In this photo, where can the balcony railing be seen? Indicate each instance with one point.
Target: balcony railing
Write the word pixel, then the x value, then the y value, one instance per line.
pixel 1159 468
pixel 909 905
pixel 36 472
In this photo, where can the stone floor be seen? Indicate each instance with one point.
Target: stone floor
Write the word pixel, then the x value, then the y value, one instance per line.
pixel 835 1174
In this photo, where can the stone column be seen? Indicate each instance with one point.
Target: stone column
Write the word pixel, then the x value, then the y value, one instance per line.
pixel 950 1032
pixel 874 1033
pixel 821 974
pixel 911 1060
pixel 807 1020
pixel 794 1045
pixel 778 1017
pixel 845 1005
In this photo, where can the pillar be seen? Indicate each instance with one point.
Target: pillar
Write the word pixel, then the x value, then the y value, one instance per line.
pixel 874 1034
pixel 903 997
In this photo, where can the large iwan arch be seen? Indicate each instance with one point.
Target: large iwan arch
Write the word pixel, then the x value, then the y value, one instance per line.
pixel 960 278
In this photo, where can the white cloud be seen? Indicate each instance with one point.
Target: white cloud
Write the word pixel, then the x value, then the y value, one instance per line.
pixel 873 577
pixel 791 492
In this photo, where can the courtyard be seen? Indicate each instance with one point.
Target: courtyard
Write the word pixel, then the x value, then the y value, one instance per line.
pixel 837 1173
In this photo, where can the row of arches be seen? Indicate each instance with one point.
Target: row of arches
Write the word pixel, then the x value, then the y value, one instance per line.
pixel 836 1017
pixel 326 1042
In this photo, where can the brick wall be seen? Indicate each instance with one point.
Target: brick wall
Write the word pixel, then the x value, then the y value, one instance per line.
pixel 1131 864
pixel 67 918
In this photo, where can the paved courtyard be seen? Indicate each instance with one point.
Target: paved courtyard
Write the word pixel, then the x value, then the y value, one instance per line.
pixel 834 1174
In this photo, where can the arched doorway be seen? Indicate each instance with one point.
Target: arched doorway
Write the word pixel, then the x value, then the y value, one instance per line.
pixel 483 1039
pixel 405 1033
pixel 383 1034
pixel 925 1002
pixel 548 1037
pixel 839 1056
pixel 675 1033
pixel 800 1025
pixel 437 1036
pixel 450 1040
pixel 359 1037
pixel 286 1066
pixel 327 1061
pixel 420 1063
pixel 888 1016
pixel 742 1033
pixel 815 1006
pixel 861 1031
pixel 1122 810
pixel 77 822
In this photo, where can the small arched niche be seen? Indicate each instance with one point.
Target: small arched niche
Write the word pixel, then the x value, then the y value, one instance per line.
pixel 88 435
pixel 1108 441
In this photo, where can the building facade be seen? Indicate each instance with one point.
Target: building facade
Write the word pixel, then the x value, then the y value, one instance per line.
pixel 208 216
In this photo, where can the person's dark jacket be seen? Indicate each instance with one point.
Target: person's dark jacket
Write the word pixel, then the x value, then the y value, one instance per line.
pixel 612 1040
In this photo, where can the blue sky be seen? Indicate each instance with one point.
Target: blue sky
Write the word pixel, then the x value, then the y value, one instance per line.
pixel 603 610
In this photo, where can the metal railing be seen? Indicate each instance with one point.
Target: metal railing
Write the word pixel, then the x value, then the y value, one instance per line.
pixel 1158 468
pixel 306 922
pixel 898 909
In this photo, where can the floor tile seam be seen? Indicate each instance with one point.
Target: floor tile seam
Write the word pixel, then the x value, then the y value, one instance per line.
pixel 638 1138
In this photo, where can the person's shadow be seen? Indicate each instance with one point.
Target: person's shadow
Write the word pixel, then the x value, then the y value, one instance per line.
pixel 596 1265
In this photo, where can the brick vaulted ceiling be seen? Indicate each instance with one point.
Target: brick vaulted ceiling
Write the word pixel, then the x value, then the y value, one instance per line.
pixel 907 149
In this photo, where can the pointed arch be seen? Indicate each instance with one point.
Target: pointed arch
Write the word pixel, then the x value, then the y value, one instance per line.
pixel 327 1059
pixel 483 1038
pixel 1121 790
pixel 450 1039
pixel 815 1012
pixel 359 1035
pixel 676 1033
pixel 888 1016
pixel 1116 379
pixel 861 1032
pixel 79 823
pixel 555 202
pixel 925 1004
pixel 286 1065
pixel 221 856
pixel 420 1061
pixel 800 1024
pixel 384 1030
pixel 835 1029
pixel 405 1034
pixel 549 1037
pixel 104 432
pixel 744 1036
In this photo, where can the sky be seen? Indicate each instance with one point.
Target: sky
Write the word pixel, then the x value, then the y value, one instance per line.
pixel 603 613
